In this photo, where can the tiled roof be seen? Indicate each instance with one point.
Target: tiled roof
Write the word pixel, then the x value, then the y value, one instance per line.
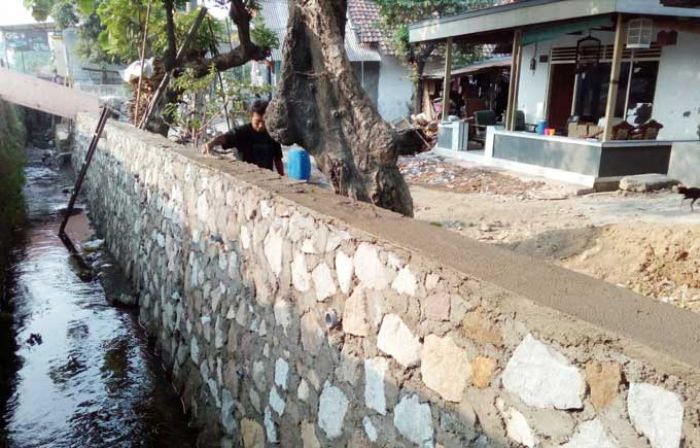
pixel 364 17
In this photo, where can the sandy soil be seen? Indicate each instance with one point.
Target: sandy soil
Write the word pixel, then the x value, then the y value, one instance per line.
pixel 645 242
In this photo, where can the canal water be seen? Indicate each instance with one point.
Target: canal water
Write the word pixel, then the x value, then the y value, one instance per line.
pixel 86 374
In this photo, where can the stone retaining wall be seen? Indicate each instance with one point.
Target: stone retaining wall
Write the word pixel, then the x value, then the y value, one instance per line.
pixel 295 317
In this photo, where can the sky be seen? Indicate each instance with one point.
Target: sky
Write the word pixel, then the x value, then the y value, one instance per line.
pixel 13 12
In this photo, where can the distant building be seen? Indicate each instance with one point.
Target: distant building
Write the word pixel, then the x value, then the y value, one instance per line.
pixel 26 48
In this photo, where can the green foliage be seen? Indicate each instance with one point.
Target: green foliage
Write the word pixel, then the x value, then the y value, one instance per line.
pixel 12 159
pixel 397 15
pixel 206 100
pixel 262 36
pixel 122 24
pixel 40 9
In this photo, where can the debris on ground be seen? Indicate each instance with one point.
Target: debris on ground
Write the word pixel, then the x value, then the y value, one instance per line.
pixel 435 173
pixel 644 242
pixel 429 128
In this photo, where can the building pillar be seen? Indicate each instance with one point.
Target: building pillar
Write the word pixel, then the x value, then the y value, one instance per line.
pixel 511 110
pixel 447 82
pixel 614 78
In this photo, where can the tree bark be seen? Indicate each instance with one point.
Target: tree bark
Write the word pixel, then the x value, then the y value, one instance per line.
pixel 321 106
pixel 169 60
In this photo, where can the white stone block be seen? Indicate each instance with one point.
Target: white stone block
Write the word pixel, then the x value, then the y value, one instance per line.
pixel 445 367
pixel 273 251
pixel 245 237
pixel 518 429
pixel 270 427
pixel 344 271
pixel 283 314
pixel 591 434
pixel 375 371
pixel 323 282
pixel 656 413
pixel 369 269
pixel 303 391
pixel 276 401
pixel 405 282
pixel 332 407
pixel 301 279
pixel 370 430
pixel 355 319
pixel 542 377
pixel 414 421
pixel 397 340
pixel 308 435
pixel 194 350
pixel 281 373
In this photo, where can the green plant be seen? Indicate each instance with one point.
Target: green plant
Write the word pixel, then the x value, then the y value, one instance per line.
pixel 263 36
pixel 12 159
pixel 207 99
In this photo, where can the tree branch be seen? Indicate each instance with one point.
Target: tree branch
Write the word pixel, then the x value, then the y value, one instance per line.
pixel 247 51
pixel 171 52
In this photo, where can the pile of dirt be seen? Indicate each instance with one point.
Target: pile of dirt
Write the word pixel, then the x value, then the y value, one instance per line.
pixel 661 262
pixel 434 173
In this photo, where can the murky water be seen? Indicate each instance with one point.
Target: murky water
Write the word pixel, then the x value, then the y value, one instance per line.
pixel 87 376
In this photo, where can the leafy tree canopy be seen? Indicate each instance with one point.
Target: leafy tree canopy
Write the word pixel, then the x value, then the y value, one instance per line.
pixel 397 15
pixel 109 30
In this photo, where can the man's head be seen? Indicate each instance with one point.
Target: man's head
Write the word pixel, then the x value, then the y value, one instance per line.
pixel 257 115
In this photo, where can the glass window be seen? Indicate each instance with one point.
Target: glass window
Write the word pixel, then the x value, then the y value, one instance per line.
pixel 592 90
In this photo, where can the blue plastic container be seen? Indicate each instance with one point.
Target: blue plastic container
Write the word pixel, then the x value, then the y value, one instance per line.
pixel 298 164
pixel 541 126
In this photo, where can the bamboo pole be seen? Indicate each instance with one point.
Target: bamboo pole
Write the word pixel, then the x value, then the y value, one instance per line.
pixel 178 60
pixel 614 78
pixel 143 56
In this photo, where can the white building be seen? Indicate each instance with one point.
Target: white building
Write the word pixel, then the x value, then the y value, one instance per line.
pixel 565 54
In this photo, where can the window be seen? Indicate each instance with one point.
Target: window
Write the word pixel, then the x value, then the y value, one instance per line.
pixel 591 94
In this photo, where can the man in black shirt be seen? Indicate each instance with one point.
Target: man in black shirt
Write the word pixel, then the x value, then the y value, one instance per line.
pixel 252 140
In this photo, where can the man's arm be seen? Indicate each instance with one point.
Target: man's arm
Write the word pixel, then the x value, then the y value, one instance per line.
pixel 279 165
pixel 278 160
pixel 225 140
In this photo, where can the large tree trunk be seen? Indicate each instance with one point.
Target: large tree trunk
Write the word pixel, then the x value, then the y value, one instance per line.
pixel 321 106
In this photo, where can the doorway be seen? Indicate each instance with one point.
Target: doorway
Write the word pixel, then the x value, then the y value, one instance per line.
pixel 561 95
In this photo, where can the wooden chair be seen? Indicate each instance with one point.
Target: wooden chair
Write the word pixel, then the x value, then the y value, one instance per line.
pixel 622 131
pixel 482 119
pixel 647 131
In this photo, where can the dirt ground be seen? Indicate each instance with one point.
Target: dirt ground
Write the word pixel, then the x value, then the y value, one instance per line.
pixel 644 242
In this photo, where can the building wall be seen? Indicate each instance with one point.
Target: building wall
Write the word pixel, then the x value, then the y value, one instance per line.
pixel 287 317
pixel 677 100
pixel 368 75
pixel 685 160
pixel 395 89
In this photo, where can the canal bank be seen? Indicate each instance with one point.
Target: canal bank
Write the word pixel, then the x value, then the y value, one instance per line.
pixel 85 373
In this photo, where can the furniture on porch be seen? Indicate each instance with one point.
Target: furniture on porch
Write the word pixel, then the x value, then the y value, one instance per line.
pixel 481 120
pixel 484 118
pixel 647 131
